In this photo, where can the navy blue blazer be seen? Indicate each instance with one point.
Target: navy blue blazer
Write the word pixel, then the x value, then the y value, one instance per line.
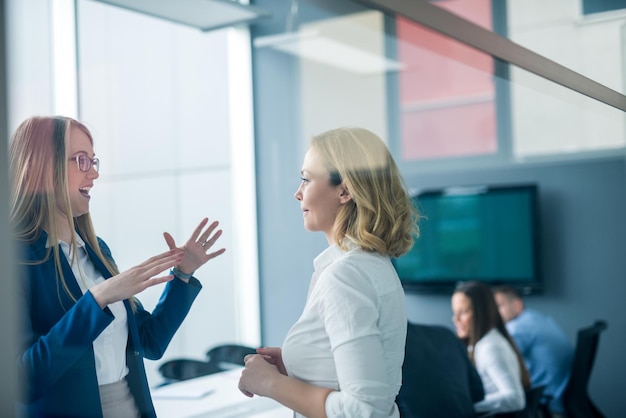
pixel 57 360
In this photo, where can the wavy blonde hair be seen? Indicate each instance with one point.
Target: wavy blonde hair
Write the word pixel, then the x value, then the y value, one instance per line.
pixel 38 159
pixel 380 216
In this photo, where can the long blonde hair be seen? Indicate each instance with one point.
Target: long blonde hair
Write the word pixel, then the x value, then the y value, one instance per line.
pixel 380 216
pixel 38 159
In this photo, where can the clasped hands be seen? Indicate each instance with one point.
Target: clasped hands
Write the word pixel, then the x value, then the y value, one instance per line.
pixel 261 370
pixel 187 258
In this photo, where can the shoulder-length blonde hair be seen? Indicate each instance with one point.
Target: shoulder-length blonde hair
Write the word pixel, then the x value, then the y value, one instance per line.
pixel 38 159
pixel 380 216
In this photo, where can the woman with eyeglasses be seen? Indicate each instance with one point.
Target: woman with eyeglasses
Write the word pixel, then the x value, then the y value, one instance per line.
pixel 343 357
pixel 84 334
pixel 490 347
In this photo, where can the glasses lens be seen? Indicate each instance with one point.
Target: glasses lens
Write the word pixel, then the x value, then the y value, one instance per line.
pixel 83 163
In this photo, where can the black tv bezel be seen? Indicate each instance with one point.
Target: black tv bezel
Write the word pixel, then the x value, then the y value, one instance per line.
pixel 531 285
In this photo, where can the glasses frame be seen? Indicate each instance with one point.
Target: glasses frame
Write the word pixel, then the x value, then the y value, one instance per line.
pixel 86 161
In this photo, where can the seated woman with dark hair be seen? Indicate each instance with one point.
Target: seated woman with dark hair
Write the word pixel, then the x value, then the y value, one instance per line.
pixel 479 325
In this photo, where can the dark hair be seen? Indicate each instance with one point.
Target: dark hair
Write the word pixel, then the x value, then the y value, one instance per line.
pixel 485 317
pixel 508 291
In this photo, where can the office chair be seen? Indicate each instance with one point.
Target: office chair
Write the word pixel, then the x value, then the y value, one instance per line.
pixel 226 356
pixel 438 379
pixel 576 398
pixel 219 358
pixel 532 408
pixel 184 368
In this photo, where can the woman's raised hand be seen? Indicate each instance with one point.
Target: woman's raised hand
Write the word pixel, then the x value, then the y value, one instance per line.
pixel 196 247
pixel 136 279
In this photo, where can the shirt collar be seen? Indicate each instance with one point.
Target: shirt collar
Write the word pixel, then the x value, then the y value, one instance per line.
pixel 332 253
pixel 79 242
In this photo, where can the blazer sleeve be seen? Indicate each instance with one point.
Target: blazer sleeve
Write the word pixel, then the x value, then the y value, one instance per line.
pixel 151 332
pixel 45 357
pixel 156 329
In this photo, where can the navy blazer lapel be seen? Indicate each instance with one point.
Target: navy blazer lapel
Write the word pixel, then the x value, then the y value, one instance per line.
pixel 40 250
pixel 97 262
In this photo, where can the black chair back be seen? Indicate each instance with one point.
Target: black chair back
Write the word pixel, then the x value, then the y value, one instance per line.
pixel 532 409
pixel 219 358
pixel 576 398
pixel 438 379
pixel 228 354
pixel 185 368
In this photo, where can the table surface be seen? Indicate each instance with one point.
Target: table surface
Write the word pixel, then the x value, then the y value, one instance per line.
pixel 213 396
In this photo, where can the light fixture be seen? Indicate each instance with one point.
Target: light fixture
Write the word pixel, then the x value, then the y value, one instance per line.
pixel 315 46
pixel 350 43
pixel 205 15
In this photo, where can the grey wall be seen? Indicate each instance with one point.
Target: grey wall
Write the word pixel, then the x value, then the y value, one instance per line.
pixel 584 234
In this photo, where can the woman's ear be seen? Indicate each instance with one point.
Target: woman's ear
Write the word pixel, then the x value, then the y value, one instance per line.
pixel 344 194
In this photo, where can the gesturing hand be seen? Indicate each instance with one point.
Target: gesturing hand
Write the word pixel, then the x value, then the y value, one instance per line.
pixel 196 247
pixel 136 279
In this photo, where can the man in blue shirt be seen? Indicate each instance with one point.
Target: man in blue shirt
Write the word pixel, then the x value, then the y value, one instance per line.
pixel 547 351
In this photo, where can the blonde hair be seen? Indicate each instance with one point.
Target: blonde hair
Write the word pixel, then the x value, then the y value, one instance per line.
pixel 380 217
pixel 38 158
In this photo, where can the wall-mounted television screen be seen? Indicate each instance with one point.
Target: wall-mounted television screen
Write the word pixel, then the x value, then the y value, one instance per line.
pixel 486 233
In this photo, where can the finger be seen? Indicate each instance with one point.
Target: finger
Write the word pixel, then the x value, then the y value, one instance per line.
pixel 245 392
pixel 157 266
pixel 215 254
pixel 206 234
pixel 169 240
pixel 269 359
pixel 156 258
pixel 211 241
pixel 157 280
pixel 196 232
pixel 268 350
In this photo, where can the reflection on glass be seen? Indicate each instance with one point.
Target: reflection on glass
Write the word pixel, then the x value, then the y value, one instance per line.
pixel 446 91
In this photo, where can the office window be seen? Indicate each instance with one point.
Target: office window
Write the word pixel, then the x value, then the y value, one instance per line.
pixel 459 107
pixel 446 90
pixel 599 6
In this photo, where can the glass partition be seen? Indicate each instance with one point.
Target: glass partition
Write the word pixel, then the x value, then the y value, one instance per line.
pixel 443 104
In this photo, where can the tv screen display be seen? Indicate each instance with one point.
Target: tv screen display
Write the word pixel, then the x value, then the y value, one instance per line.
pixel 486 233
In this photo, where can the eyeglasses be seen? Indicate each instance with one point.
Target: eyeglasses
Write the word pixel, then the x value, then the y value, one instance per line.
pixel 84 163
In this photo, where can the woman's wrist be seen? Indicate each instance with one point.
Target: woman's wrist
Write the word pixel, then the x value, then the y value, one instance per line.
pixel 180 274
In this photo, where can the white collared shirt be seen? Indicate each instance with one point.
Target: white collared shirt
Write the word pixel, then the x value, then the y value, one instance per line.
pixel 110 346
pixel 499 369
pixel 351 334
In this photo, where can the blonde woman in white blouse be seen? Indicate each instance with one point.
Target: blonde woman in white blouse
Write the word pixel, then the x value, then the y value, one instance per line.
pixel 343 357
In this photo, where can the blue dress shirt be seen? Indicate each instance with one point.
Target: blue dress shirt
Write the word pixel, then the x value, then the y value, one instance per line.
pixel 547 352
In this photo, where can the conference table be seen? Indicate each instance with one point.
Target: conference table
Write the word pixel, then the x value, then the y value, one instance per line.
pixel 213 396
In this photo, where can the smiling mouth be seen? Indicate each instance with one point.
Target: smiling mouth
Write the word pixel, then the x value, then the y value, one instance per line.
pixel 85 191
